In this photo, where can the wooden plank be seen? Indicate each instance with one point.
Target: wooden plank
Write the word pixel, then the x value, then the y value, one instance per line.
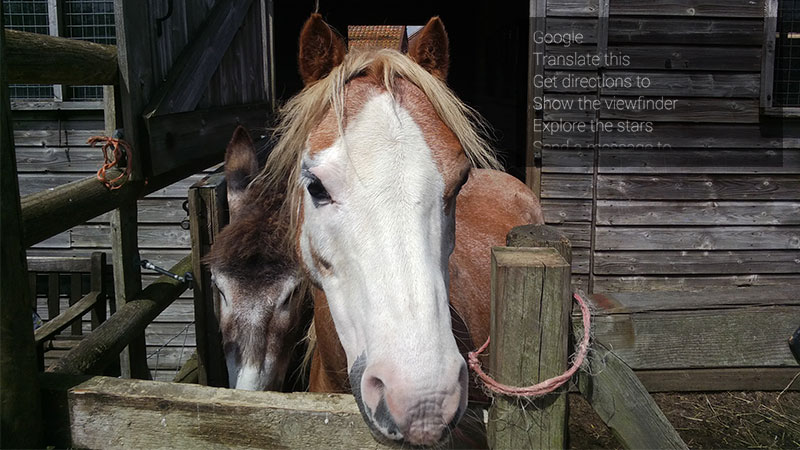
pixel 696 262
pixel 677 30
pixel 188 372
pixel 657 340
pixel 677 84
pixel 530 290
pixel 127 284
pixel 579 233
pixel 698 187
pixel 623 403
pixel 691 8
pixel 59 159
pixel 689 283
pixel 533 156
pixel 686 109
pixel 153 211
pixel 103 346
pixel 560 211
pixel 74 297
pixel 682 135
pixel 687 161
pixel 43 59
pixel 60 322
pixel 567 107
pixel 687 58
pixel 19 105
pixel 720 297
pixel 568 161
pixel 107 412
pixel 611 212
pixel 58 264
pixel 149 236
pixel 698 238
pixel 567 186
pixel 60 240
pixel 53 307
pixel 208 211
pixel 20 410
pixel 191 72
pixel 734 379
pixel 182 137
pixel 572 8
pixel 585 26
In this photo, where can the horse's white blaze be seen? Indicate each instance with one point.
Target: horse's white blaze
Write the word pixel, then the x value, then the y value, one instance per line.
pixel 387 239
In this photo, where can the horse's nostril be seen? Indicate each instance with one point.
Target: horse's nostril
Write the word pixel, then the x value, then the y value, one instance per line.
pixel 376 384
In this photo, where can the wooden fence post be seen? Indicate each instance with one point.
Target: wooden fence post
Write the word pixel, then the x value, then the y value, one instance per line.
pixel 20 408
pixel 208 213
pixel 531 307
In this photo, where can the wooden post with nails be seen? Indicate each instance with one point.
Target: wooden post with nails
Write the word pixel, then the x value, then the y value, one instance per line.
pixel 531 305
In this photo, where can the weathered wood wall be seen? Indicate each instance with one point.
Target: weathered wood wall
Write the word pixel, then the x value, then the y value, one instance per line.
pixel 52 151
pixel 51 139
pixel 721 205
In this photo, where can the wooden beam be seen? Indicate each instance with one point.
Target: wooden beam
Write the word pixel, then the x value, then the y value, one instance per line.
pixel 48 213
pixel 128 283
pixel 529 331
pixel 188 79
pixel 20 408
pixel 181 137
pixel 57 324
pixel 623 403
pixel 54 211
pixel 103 412
pixel 43 59
pixel 102 346
pixel 208 212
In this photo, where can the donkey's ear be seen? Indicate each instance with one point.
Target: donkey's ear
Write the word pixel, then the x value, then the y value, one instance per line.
pixel 241 165
pixel 429 48
pixel 321 49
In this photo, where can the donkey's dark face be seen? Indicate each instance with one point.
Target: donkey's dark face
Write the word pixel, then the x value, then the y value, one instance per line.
pixel 259 318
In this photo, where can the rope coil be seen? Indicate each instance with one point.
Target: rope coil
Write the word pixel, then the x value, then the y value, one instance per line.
pixel 113 152
pixel 546 386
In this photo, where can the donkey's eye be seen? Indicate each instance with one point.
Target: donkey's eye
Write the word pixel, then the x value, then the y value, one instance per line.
pixel 319 195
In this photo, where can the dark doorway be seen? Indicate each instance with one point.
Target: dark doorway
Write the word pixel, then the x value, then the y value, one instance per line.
pixel 488 50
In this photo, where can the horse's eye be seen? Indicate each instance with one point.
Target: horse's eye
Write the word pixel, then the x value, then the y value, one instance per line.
pixel 318 193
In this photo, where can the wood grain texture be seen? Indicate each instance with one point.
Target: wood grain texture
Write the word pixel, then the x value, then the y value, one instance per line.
pixel 107 412
pixel 691 161
pixel 102 346
pixel 698 187
pixel 615 212
pixel 38 58
pixel 686 109
pixel 698 238
pixel 567 186
pixel 690 8
pixel 696 262
pixel 623 403
pixel 658 340
pixel 690 284
pixel 678 30
pixel 20 410
pixel 530 310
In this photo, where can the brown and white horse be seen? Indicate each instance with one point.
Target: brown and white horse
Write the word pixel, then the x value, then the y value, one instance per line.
pixel 389 214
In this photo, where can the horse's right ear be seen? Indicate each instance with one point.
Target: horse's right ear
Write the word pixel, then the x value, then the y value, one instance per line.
pixel 241 165
pixel 321 49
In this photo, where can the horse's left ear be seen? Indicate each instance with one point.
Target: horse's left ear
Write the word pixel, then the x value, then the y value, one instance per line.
pixel 241 165
pixel 321 49
pixel 430 49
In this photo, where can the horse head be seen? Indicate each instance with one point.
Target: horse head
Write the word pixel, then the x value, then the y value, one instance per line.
pixel 376 148
pixel 260 303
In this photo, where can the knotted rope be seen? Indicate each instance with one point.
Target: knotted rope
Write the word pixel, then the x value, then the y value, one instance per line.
pixel 546 386
pixel 112 155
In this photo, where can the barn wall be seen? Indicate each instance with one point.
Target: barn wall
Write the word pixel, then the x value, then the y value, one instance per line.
pixel 721 205
pixel 51 150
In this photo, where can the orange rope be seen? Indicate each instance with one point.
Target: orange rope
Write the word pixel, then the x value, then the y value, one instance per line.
pixel 112 155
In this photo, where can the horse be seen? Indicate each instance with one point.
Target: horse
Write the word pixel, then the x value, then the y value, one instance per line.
pixel 382 194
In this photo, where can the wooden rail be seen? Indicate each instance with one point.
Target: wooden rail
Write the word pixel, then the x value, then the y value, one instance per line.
pixel 102 412
pixel 104 344
pixel 47 213
pixel 43 59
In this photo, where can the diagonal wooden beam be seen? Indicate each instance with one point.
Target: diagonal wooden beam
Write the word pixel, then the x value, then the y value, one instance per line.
pixel 189 76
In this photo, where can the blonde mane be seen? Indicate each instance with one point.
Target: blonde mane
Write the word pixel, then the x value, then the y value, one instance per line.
pixel 304 111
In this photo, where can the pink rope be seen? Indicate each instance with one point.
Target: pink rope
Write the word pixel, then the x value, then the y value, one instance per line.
pixel 546 386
